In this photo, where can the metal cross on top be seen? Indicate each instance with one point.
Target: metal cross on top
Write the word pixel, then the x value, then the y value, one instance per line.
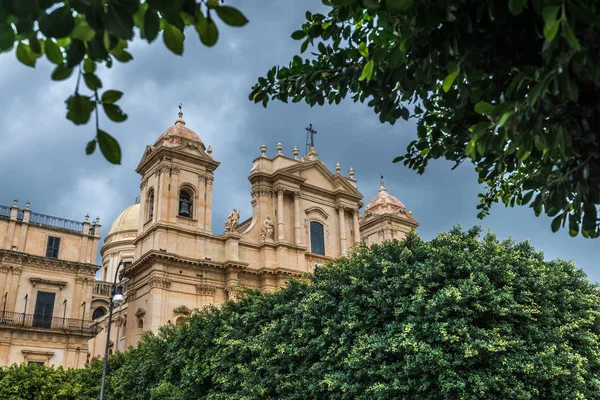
pixel 311 132
pixel 180 110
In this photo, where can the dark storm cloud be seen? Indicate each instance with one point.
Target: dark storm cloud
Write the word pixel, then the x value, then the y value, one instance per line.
pixel 42 155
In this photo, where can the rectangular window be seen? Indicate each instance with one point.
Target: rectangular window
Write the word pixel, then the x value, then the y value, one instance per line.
pixel 52 247
pixel 36 363
pixel 317 238
pixel 44 307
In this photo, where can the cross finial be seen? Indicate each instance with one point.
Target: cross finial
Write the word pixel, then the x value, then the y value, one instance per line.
pixel 312 134
pixel 381 181
pixel 180 111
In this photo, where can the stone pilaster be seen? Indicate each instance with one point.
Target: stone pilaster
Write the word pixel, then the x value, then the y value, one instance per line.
pixel 297 226
pixel 280 219
pixel 342 219
pixel 356 226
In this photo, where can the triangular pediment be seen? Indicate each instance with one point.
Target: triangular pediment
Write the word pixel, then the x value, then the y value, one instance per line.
pixel 316 174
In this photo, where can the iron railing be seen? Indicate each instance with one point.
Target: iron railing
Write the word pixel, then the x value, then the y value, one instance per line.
pixel 69 325
pixel 4 211
pixel 55 222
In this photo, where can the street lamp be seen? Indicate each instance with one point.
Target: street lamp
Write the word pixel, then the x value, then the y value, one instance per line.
pixel 117 299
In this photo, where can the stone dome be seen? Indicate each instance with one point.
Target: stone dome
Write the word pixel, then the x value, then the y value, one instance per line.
pixel 384 203
pixel 127 221
pixel 178 134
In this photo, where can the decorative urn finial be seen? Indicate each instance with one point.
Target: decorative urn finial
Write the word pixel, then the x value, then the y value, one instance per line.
pixel 338 167
pixel 351 173
pixel 263 151
pixel 295 153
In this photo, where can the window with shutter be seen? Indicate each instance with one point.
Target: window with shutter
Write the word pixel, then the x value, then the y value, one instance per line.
pixel 317 238
pixel 52 247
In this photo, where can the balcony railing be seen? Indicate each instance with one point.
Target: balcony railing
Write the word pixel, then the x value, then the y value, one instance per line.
pixel 102 289
pixel 4 211
pixel 55 222
pixel 68 325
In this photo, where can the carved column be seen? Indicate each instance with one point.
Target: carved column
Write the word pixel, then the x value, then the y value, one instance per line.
pixel 356 226
pixel 201 206
pixel 280 222
pixel 297 227
pixel 341 215
pixel 208 214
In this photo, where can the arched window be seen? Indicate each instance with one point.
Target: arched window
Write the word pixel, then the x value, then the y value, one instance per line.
pixel 317 238
pixel 99 312
pixel 141 324
pixel 180 321
pixel 186 203
pixel 150 205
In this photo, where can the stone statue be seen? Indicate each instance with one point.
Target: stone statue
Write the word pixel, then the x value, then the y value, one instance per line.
pixel 233 221
pixel 267 230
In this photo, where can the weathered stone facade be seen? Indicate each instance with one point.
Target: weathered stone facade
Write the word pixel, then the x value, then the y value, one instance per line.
pixel 179 263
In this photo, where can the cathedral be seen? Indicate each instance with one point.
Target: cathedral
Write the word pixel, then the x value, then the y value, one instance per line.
pixel 166 258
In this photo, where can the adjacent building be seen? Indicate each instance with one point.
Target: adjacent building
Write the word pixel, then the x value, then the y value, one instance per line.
pixel 47 268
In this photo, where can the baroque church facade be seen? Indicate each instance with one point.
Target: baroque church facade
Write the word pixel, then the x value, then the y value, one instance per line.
pixel 171 262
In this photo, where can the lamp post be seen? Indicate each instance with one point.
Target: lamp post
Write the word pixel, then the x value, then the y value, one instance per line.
pixel 117 299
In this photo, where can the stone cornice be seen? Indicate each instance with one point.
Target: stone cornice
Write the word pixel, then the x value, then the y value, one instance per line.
pixel 374 219
pixel 29 260
pixel 146 259
pixel 177 228
pixel 156 155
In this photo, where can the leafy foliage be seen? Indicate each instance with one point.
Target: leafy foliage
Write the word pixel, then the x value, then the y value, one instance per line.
pixel 456 317
pixel 512 86
pixel 80 34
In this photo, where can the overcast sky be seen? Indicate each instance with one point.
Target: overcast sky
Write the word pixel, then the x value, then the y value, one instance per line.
pixel 42 156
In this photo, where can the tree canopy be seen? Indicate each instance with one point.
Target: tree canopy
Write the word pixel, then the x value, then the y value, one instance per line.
pixel 459 316
pixel 511 86
pixel 79 35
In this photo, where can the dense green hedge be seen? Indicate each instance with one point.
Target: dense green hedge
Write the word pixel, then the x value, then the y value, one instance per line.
pixel 457 317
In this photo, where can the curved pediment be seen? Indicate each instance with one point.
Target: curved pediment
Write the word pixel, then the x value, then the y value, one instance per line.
pixel 316 210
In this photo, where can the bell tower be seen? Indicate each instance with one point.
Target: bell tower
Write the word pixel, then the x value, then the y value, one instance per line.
pixel 175 190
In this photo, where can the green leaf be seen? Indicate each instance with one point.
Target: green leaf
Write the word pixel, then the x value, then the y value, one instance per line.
pixel 25 55
pixel 75 53
pixel 79 109
pixel 516 6
pixel 399 6
pixel 173 38
pixel 151 25
pixel 556 223
pixel 109 147
pixel 119 21
pixel 549 14
pixel 59 23
pixel 61 72
pixel 449 81
pixel 83 32
pixel 89 65
pixel 207 30
pixel 114 112
pixel 111 96
pixel 484 108
pixel 7 36
pixel 367 71
pixel 90 147
pixel 231 16
pixel 298 35
pixel 92 81
pixel 570 37
pixel 363 50
pixel 523 153
pixel 53 52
